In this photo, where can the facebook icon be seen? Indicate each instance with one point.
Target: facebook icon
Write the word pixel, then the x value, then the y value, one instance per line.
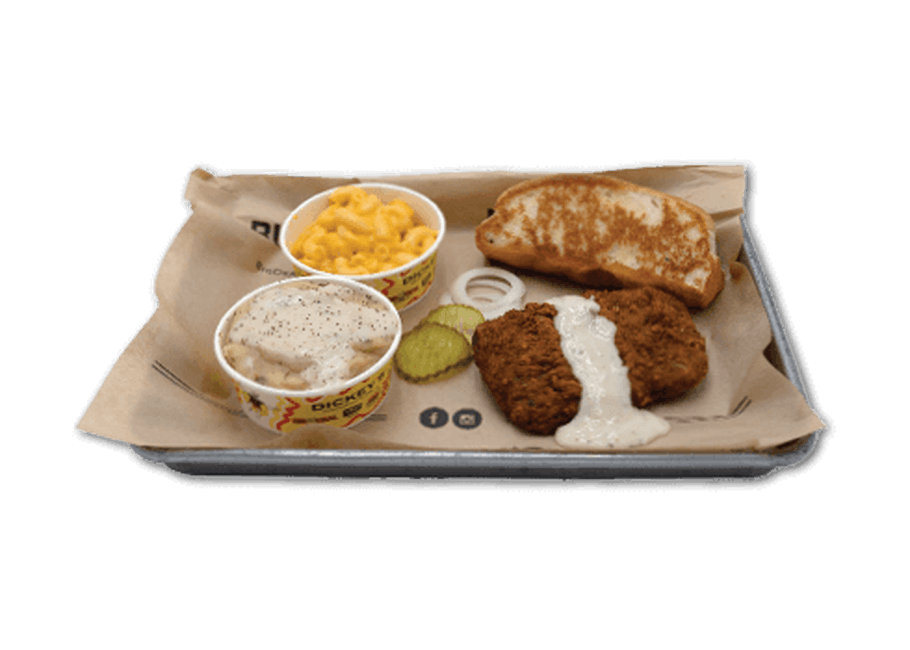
pixel 434 418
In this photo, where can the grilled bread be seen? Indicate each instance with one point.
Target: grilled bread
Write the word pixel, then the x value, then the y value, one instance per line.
pixel 603 232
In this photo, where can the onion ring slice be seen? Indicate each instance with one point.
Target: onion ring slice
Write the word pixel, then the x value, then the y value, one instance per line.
pixel 490 277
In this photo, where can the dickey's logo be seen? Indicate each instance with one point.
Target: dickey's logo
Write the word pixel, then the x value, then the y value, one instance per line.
pixel 339 410
pixel 406 288
pixel 344 399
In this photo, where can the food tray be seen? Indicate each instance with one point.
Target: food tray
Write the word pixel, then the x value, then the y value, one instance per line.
pixel 445 464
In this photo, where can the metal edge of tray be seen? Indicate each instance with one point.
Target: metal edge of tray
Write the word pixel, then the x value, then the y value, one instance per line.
pixel 350 463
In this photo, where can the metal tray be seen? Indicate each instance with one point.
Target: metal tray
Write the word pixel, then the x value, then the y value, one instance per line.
pixel 448 464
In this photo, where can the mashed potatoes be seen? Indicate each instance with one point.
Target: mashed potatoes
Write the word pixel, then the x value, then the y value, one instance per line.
pixel 311 335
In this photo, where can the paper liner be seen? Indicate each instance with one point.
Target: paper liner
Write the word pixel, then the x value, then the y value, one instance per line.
pixel 166 390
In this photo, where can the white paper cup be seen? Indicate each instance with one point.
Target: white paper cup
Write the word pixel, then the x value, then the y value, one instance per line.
pixel 405 285
pixel 281 410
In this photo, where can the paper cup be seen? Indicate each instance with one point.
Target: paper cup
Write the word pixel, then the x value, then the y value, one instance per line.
pixel 281 410
pixel 405 285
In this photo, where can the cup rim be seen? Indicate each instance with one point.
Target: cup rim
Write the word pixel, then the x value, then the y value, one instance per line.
pixel 282 239
pixel 331 389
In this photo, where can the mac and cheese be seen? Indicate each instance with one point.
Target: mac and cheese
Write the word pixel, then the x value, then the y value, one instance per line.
pixel 358 235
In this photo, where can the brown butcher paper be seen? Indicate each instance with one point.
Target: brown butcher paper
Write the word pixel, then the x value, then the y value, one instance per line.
pixel 166 391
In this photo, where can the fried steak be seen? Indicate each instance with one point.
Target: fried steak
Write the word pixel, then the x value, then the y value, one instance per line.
pixel 657 342
pixel 521 361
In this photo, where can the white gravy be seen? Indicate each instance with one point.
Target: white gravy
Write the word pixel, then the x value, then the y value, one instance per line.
pixel 606 418
pixel 313 330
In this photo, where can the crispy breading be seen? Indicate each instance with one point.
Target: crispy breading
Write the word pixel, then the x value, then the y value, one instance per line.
pixel 521 362
pixel 520 357
pixel 657 341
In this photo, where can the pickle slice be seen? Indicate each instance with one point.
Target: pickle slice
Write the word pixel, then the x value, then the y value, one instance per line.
pixel 432 352
pixel 461 318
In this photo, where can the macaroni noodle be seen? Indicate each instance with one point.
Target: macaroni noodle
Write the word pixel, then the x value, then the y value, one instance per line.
pixel 358 235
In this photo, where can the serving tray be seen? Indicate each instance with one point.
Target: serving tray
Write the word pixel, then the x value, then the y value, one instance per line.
pixel 530 465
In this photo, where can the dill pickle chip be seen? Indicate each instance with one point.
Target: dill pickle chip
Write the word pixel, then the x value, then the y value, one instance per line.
pixel 461 318
pixel 432 352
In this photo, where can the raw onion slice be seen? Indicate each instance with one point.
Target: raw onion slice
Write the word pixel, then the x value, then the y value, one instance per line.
pixel 507 291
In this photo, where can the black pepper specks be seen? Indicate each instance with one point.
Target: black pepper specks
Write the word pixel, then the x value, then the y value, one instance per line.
pixel 316 325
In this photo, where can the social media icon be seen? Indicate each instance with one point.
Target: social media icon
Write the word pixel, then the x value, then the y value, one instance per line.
pixel 434 417
pixel 466 419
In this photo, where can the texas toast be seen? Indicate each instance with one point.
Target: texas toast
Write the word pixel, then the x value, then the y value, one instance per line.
pixel 603 232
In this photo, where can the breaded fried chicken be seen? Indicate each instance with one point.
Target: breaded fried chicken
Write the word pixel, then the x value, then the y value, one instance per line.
pixel 521 361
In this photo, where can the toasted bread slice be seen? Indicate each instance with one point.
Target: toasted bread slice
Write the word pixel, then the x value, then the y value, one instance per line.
pixel 603 232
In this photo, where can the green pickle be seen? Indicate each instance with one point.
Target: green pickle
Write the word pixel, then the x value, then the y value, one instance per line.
pixel 461 318
pixel 432 352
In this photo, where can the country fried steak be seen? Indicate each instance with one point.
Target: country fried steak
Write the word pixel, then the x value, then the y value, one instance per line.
pixel 657 342
pixel 521 361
